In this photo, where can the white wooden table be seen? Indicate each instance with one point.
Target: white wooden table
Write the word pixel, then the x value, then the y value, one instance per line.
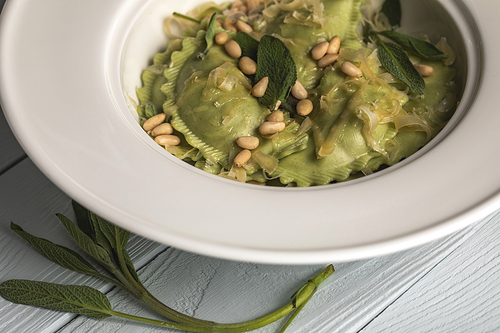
pixel 450 285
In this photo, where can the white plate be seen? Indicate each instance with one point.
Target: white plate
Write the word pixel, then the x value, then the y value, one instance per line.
pixel 62 64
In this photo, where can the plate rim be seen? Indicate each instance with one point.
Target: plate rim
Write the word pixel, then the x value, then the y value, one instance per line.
pixel 66 183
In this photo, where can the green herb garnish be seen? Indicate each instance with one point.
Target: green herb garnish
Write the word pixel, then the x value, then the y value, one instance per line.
pixel 106 243
pixel 392 10
pixel 396 61
pixel 61 255
pixel 393 56
pixel 209 36
pixel 414 45
pixel 275 61
pixel 179 15
pixel 149 110
pixel 82 300
pixel 248 44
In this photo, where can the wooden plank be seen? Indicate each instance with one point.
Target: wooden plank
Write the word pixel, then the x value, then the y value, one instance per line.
pixel 10 151
pixel 229 291
pixel 225 290
pixel 461 294
pixel 29 199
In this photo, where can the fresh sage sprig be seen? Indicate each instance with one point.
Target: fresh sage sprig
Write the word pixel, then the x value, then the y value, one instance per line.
pixel 92 303
pixel 394 57
pixel 249 45
pixel 396 61
pixel 106 243
pixel 150 110
pixel 275 61
pixel 418 47
pixel 209 36
pixel 392 10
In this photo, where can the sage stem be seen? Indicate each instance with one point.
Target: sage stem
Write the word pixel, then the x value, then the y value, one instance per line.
pixel 295 313
pixel 299 299
pixel 183 327
pixel 305 294
pixel 136 289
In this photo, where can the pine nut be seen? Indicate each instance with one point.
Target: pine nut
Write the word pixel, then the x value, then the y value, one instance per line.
pixel 271 127
pixel 328 60
pixel 252 4
pixel 319 50
pixel 229 25
pixel 236 3
pixel 153 122
pixel 334 45
pixel 260 87
pixel 221 38
pixel 298 90
pixel 304 107
pixel 239 8
pixel 248 66
pixel 248 142
pixel 424 70
pixel 276 116
pixel 277 105
pixel 244 27
pixel 351 70
pixel 162 129
pixel 233 49
pixel 242 158
pixel 167 140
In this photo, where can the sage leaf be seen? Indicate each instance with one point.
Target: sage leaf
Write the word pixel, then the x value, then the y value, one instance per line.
pixel 274 60
pixel 150 110
pixel 61 255
pixel 112 236
pixel 392 10
pixel 131 267
pixel 416 46
pixel 83 220
pixel 68 298
pixel 111 232
pixel 86 221
pixel 248 45
pixel 83 241
pixel 290 104
pixel 396 61
pixel 209 36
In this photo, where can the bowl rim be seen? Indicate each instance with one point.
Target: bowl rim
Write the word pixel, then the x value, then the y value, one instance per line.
pixel 264 249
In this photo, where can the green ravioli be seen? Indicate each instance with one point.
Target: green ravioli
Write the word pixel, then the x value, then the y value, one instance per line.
pixel 303 24
pixel 215 107
pixel 356 125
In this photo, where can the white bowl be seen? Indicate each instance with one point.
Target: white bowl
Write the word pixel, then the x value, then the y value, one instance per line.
pixel 64 78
